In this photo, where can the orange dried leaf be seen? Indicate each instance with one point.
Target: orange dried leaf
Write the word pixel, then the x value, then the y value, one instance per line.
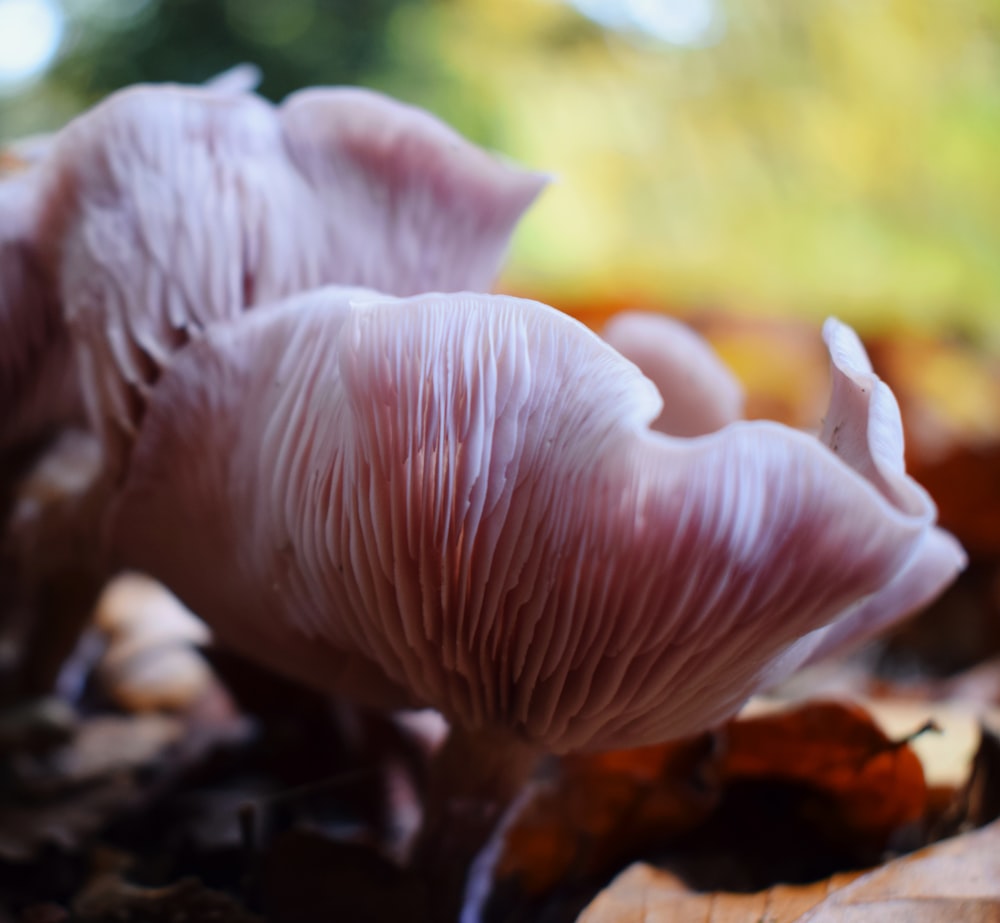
pixel 873 785
pixel 600 808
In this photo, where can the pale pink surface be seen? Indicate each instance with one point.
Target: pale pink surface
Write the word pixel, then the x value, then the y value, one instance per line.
pixel 700 394
pixel 39 388
pixel 457 501
pixel 170 208
pixel 863 427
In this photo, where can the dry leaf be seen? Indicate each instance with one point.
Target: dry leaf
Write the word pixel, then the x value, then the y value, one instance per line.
pixel 599 809
pixel 965 487
pixel 65 820
pixel 829 785
pixel 109 899
pixel 643 894
pixel 957 879
pixel 977 802
pixel 946 754
pixel 67 794
pixel 873 786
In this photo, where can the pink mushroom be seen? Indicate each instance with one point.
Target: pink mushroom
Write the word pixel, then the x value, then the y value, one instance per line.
pixel 38 390
pixel 39 402
pixel 166 209
pixel 38 381
pixel 462 501
pixel 457 501
pixel 704 394
pixel 177 208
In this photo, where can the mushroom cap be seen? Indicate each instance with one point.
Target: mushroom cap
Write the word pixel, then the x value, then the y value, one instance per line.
pixel 39 391
pixel 37 386
pixel 863 427
pixel 704 394
pixel 169 208
pixel 457 501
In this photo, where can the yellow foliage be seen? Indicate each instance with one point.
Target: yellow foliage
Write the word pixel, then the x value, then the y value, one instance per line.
pixel 830 157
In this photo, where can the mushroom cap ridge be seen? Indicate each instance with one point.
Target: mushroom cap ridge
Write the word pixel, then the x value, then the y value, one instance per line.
pixel 456 501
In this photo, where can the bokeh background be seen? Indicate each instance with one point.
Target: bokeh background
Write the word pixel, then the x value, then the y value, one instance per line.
pixel 770 157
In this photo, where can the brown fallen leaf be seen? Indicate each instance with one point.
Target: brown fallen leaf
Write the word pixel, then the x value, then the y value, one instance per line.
pixel 599 808
pixel 949 396
pixel 957 879
pixel 643 894
pixel 963 483
pixel 68 793
pixel 830 788
pixel 977 802
pixel 872 786
pixel 65 821
pixel 109 899
pixel 959 708
pixel 946 754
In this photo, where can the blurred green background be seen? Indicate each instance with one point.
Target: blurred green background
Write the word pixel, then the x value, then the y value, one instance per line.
pixel 767 156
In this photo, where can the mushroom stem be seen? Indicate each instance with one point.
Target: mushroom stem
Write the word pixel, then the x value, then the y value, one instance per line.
pixel 53 561
pixel 474 778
